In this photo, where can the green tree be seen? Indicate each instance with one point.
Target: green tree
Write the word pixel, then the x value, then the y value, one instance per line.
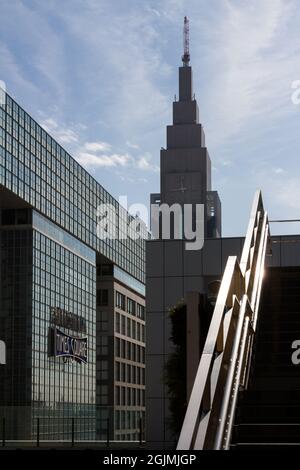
pixel 175 368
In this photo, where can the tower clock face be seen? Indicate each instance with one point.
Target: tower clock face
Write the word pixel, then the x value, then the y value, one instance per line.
pixel 176 183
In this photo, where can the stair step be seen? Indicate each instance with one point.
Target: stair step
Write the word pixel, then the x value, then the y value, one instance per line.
pixel 268 360
pixel 284 310
pixel 280 333
pixel 268 413
pixel 271 382
pixel 279 446
pixel 275 346
pixel 265 397
pixel 266 432
pixel 276 370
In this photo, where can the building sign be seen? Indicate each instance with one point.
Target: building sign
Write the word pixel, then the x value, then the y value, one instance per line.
pixel 68 320
pixel 2 353
pixel 67 346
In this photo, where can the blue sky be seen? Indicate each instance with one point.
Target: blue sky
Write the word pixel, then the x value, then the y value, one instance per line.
pixel 100 76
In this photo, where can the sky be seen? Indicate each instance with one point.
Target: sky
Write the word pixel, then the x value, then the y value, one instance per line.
pixel 101 75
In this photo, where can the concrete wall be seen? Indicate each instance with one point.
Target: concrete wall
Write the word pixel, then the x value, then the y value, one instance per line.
pixel 171 273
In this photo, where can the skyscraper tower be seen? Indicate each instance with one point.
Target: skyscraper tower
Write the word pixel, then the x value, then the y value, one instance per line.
pixel 185 166
pixel 174 274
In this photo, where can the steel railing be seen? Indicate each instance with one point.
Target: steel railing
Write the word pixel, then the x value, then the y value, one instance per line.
pixel 225 361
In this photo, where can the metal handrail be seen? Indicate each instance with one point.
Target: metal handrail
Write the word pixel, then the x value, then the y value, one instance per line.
pixel 225 361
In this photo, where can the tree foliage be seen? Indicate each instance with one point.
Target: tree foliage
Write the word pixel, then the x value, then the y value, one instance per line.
pixel 175 368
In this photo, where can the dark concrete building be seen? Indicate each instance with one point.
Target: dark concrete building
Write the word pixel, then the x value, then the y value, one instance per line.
pixel 185 178
pixel 174 274
pixel 185 165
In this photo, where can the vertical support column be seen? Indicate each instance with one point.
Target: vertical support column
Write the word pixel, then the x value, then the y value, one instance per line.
pixel 73 431
pixel 3 431
pixel 38 432
pixel 192 339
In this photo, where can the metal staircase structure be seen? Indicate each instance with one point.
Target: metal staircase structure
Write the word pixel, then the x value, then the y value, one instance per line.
pixel 226 358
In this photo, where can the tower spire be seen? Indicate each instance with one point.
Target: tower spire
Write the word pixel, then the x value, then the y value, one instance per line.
pixel 186 42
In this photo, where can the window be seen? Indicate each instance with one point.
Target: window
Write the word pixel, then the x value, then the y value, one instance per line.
pixel 143 358
pixel 128 327
pixel 143 333
pixel 134 374
pixel 103 345
pixel 118 347
pixel 123 402
pixel 128 356
pixel 134 330
pixel 103 370
pixel 105 270
pixel 120 301
pixel 102 297
pixel 123 372
pixel 134 396
pixel 103 392
pixel 118 372
pixel 103 321
pixel 117 396
pixel 140 311
pixel 131 306
pixel 123 348
pixel 118 330
pixel 123 324
pixel 128 373
pixel 133 354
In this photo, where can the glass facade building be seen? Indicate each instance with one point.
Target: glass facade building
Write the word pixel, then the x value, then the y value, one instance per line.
pixel 49 253
pixel 38 170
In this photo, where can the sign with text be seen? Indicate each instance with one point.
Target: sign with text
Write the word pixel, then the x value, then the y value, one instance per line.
pixel 65 319
pixel 63 345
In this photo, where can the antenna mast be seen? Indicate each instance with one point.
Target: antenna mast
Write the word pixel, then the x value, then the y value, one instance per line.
pixel 186 42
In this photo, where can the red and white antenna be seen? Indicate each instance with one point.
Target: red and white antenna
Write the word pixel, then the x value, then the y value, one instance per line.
pixel 186 42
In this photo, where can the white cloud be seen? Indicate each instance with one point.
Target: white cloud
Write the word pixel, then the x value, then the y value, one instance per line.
pixel 123 67
pixel 14 71
pixel 37 50
pixel 225 162
pixel 281 191
pixel 129 179
pixel 97 146
pixel 114 160
pixel 121 78
pixel 131 145
pixel 253 65
pixel 127 54
pixel 286 194
pixel 153 10
pixel 62 134
pixel 100 154
pixel 145 163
